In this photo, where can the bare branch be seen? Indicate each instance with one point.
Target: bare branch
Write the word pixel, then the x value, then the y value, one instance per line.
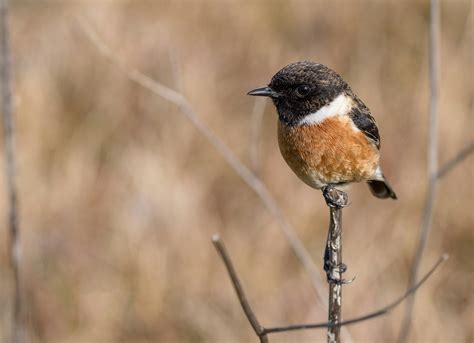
pixel 432 165
pixel 227 154
pixel 452 163
pixel 262 332
pixel 259 330
pixel 333 265
pixel 365 317
pixel 10 169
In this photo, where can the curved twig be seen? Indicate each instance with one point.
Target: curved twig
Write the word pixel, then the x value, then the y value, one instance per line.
pixel 365 317
pixel 452 163
pixel 252 318
pixel 262 332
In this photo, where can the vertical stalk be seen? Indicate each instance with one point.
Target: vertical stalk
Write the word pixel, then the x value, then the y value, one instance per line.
pixel 9 150
pixel 432 166
pixel 333 260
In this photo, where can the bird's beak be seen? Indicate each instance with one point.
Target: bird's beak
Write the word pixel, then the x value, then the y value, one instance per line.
pixel 264 91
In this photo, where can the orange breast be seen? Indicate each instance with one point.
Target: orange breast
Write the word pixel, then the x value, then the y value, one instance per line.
pixel 333 151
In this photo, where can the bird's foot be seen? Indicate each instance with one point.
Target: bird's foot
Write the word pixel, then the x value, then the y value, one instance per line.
pixel 341 281
pixel 334 197
pixel 339 269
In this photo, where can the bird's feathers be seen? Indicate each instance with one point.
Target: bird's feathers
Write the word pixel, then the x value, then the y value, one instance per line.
pixel 364 121
pixel 381 189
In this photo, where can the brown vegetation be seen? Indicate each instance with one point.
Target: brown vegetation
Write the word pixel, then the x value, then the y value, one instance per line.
pixel 120 194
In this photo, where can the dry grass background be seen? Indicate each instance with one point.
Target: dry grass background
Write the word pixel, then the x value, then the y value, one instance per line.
pixel 120 194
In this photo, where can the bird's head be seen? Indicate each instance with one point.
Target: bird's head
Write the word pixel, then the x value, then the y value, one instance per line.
pixel 302 88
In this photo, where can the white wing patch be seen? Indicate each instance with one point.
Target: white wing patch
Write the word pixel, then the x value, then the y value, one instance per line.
pixel 340 106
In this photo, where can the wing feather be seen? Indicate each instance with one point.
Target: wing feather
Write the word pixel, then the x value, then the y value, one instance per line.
pixel 364 121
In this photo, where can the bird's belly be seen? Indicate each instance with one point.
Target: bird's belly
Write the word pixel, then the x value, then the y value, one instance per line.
pixel 331 152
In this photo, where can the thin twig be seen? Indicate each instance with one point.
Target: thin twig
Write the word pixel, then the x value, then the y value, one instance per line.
pixel 227 154
pixel 10 168
pixel 252 318
pixel 261 331
pixel 375 314
pixel 461 156
pixel 432 165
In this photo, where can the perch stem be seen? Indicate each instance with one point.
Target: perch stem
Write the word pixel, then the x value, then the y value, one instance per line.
pixel 333 258
pixel 333 265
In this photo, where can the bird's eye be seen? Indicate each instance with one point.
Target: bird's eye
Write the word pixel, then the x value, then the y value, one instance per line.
pixel 302 91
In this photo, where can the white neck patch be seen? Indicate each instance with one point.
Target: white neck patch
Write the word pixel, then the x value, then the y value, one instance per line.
pixel 340 106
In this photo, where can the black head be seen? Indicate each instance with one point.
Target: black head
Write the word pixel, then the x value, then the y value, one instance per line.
pixel 302 88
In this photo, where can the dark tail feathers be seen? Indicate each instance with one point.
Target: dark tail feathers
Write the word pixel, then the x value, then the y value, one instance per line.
pixel 381 189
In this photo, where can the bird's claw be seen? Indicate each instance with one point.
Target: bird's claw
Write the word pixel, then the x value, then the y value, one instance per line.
pixel 340 281
pixel 334 197
pixel 340 268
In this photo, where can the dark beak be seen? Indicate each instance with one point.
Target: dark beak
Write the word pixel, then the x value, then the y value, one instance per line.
pixel 264 91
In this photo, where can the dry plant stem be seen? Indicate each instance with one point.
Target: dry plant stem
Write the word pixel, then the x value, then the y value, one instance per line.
pixel 259 330
pixel 227 154
pixel 432 165
pixel 333 265
pixel 8 133
pixel 375 314
pixel 262 332
pixel 334 249
pixel 461 156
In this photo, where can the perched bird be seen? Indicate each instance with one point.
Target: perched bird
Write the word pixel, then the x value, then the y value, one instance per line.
pixel 326 133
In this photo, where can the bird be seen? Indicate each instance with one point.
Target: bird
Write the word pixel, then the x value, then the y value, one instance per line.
pixel 326 134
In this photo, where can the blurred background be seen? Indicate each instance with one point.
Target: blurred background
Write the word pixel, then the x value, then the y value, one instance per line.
pixel 120 194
